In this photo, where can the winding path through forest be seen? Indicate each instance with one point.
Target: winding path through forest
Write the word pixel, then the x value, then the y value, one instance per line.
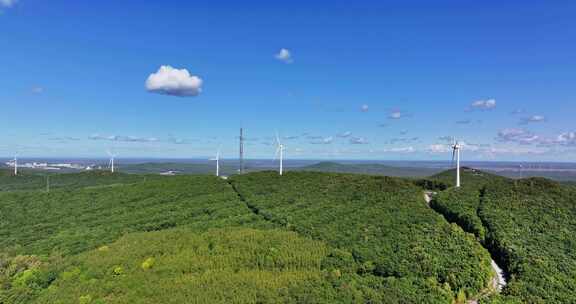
pixel 498 281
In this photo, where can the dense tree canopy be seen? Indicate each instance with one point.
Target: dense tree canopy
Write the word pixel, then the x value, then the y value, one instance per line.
pixel 305 237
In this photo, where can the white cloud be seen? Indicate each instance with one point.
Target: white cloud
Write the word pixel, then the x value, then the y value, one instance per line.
pixel 395 115
pixel 364 108
pixel 322 140
pixel 8 3
pixel 290 137
pixel 284 55
pixel 403 140
pixel 122 138
pixel 344 134
pixel 176 82
pixel 469 146
pixel 487 104
pixel 533 118
pixel 400 150
pixel 567 139
pixel 438 148
pixel 514 151
pixel 520 136
pixel 358 141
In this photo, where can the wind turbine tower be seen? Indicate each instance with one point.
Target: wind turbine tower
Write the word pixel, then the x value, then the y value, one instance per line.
pixel 280 151
pixel 15 164
pixel 456 154
pixel 217 159
pixel 111 162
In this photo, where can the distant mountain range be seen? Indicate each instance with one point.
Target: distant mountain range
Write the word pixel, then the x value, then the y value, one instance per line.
pixel 558 172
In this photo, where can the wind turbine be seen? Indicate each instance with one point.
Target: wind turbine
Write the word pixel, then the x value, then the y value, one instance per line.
pixel 16 164
pixel 111 162
pixel 279 152
pixel 217 159
pixel 456 154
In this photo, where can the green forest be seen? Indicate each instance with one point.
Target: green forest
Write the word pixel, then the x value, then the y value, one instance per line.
pixel 528 225
pixel 304 237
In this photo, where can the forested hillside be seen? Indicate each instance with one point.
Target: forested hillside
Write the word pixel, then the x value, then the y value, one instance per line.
pixel 529 226
pixel 383 222
pixel 74 221
pixel 231 265
pixel 305 237
pixel 29 180
pixel 40 233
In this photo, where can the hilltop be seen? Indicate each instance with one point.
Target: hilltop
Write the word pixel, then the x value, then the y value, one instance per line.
pixel 371 169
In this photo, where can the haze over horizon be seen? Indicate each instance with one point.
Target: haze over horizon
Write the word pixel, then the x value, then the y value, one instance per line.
pixel 364 80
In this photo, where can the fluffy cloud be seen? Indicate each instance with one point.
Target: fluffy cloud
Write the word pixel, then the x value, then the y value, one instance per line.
pixel 567 139
pixel 284 55
pixel 7 3
pixel 487 104
pixel 523 137
pixel 176 82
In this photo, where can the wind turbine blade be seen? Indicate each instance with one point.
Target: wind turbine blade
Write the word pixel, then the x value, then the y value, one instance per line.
pixel 277 138
pixel 453 155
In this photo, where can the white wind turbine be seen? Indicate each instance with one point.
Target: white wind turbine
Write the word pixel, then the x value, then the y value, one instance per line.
pixel 456 154
pixel 111 161
pixel 16 164
pixel 217 159
pixel 279 152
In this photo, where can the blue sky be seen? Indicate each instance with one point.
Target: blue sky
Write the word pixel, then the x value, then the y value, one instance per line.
pixel 357 80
